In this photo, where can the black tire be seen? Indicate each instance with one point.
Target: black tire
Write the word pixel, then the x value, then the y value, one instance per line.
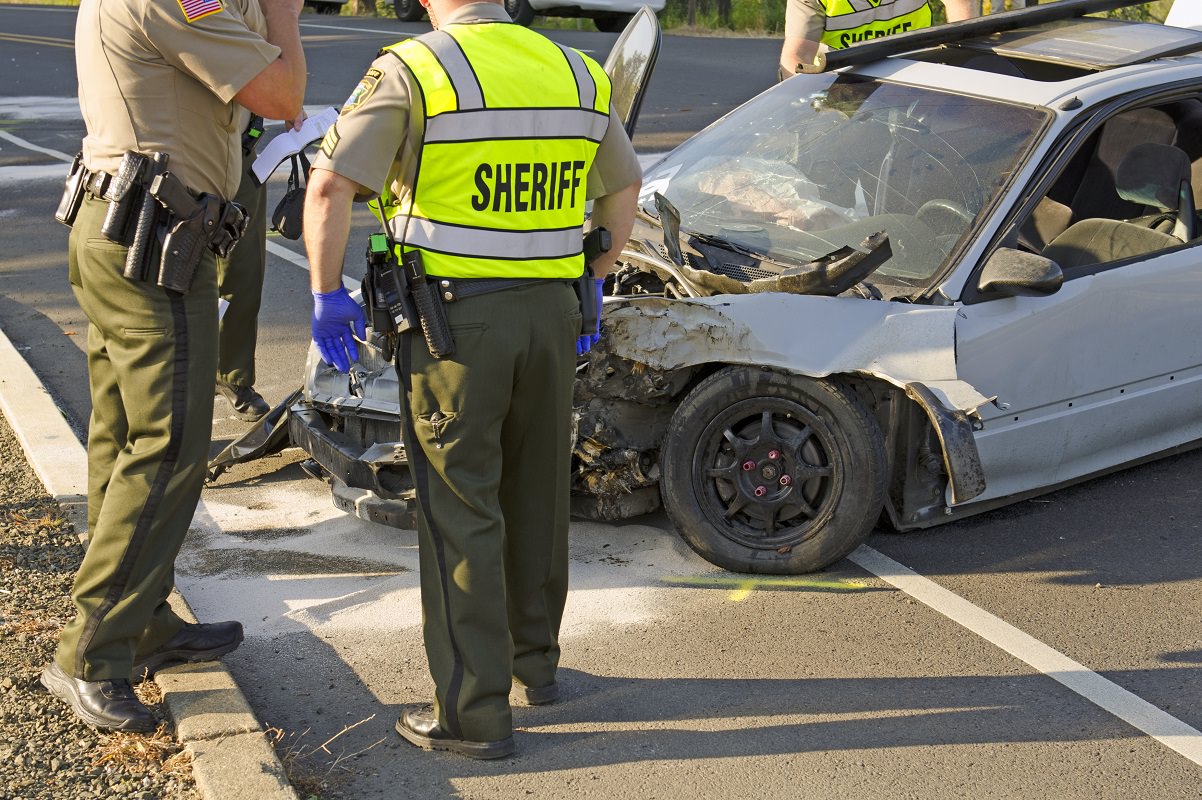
pixel 520 11
pixel 809 447
pixel 408 10
pixel 612 23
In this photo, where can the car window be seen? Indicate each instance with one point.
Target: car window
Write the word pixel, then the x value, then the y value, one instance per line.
pixel 1124 193
pixel 822 161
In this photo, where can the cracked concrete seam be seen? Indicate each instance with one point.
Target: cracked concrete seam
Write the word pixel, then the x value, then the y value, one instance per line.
pixel 231 757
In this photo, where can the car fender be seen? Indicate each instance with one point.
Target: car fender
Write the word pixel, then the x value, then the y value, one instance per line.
pixel 911 347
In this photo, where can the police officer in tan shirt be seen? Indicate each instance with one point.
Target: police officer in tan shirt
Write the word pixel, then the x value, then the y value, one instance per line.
pixel 488 429
pixel 155 76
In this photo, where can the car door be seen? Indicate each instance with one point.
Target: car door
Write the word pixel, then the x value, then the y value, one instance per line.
pixel 1104 371
pixel 630 64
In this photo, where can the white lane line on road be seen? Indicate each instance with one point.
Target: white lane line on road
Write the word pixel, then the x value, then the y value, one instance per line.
pixel 19 142
pixel 277 249
pixel 1107 695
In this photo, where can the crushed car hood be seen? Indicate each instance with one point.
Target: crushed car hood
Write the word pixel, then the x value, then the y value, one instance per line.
pixel 815 336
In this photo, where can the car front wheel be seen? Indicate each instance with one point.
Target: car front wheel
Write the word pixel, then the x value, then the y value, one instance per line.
pixel 408 10
pixel 765 472
pixel 520 11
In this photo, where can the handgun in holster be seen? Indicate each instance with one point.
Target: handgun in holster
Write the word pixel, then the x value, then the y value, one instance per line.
pixel 148 218
pixel 73 191
pixel 124 194
pixel 194 223
pixel 431 313
pixel 390 309
pixel 596 242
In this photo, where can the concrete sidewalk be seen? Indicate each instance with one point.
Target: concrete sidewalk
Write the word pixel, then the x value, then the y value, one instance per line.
pixel 231 757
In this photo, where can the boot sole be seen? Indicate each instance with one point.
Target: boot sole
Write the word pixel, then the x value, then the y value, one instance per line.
pixel 480 750
pixel 63 691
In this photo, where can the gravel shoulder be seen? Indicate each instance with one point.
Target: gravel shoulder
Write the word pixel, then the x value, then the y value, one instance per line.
pixel 45 752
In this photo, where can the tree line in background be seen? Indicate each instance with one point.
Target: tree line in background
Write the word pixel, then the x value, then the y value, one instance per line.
pixel 768 16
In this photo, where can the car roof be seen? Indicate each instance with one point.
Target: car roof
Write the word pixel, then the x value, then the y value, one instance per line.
pixel 1043 64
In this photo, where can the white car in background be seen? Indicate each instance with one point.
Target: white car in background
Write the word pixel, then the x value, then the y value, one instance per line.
pixel 610 16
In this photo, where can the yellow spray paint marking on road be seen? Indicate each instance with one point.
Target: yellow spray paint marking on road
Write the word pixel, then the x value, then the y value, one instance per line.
pixel 53 41
pixel 743 585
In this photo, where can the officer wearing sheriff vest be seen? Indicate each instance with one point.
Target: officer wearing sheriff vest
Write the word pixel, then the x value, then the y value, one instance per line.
pixel 484 140
pixel 836 24
pixel 155 77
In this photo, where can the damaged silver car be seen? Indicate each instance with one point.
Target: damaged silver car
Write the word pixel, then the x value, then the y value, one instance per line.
pixel 957 271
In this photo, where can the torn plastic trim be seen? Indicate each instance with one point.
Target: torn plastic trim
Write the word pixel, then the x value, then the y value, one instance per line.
pixel 268 436
pixel 954 429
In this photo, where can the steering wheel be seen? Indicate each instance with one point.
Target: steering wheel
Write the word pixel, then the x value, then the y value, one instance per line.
pixel 944 216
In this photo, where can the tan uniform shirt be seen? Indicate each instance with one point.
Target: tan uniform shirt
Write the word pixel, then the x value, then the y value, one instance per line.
pixel 371 143
pixel 152 79
pixel 805 19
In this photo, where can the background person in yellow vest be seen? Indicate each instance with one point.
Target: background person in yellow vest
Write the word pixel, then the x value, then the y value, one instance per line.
pixel 842 23
pixel 154 76
pixel 497 207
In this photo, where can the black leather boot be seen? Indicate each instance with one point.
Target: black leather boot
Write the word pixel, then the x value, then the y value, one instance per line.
pixel 201 641
pixel 110 705
pixel 419 726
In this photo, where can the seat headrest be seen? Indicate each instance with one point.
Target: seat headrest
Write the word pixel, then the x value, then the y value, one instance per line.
pixel 1151 175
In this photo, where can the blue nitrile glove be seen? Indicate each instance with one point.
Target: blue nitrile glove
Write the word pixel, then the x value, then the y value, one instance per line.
pixel 586 342
pixel 335 318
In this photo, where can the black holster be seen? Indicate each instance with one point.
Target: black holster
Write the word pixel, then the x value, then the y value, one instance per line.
pixel 597 241
pixel 431 312
pixel 149 226
pixel 73 191
pixel 125 194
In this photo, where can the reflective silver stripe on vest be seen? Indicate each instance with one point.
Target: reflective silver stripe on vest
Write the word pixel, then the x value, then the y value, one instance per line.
pixel 463 79
pixel 517 123
pixel 584 78
pixel 886 12
pixel 483 243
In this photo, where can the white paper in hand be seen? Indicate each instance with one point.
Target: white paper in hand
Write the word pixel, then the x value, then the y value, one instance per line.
pixel 289 142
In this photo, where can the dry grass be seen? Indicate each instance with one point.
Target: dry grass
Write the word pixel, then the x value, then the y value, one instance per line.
pixel 139 753
pixel 37 519
pixel 308 770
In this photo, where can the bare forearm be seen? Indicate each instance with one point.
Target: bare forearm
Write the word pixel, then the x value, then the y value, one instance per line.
pixel 958 10
pixel 797 51
pixel 327 225
pixel 279 90
pixel 615 212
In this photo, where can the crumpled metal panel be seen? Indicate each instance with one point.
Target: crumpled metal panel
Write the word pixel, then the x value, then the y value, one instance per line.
pixel 371 387
pixel 816 336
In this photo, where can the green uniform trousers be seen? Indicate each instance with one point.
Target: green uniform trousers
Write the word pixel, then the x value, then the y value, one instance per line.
pixel 488 437
pixel 240 283
pixel 151 360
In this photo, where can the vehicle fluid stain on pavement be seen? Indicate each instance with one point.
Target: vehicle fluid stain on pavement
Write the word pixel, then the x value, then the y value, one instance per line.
pixel 254 561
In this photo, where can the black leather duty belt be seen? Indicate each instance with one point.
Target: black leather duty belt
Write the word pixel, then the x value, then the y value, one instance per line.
pixel 452 289
pixel 96 183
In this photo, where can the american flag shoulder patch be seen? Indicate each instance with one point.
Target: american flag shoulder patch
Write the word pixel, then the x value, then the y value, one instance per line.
pixel 198 9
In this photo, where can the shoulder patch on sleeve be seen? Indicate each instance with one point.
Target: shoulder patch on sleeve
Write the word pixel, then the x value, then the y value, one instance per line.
pixel 330 141
pixel 198 9
pixel 363 90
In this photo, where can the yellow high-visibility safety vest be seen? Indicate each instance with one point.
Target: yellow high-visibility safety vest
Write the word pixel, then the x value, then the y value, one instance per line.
pixel 852 21
pixel 489 207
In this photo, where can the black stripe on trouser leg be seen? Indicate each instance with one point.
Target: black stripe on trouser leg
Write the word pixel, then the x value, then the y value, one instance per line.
pixel 419 467
pixel 137 541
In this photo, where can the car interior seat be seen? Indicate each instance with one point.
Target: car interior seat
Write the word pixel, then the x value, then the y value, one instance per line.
pixel 1151 176
pixel 1087 189
pixel 1158 176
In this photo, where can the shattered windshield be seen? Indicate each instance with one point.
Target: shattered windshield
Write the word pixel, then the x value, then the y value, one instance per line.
pixel 822 161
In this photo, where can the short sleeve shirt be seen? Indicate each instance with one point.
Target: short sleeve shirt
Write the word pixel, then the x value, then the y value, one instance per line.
pixel 375 139
pixel 805 19
pixel 160 76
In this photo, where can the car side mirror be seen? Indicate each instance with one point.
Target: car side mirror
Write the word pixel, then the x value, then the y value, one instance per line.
pixel 1015 273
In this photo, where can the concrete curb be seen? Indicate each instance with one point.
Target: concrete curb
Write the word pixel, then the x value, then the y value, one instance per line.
pixel 231 757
